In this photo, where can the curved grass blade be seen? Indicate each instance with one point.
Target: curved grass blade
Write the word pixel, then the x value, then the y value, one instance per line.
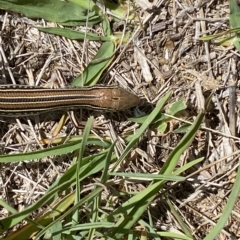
pixel 233 197
pixel 133 209
pixel 174 156
pixel 90 166
pixel 12 220
pixel 93 71
pixel 144 126
pixel 85 199
pixel 56 210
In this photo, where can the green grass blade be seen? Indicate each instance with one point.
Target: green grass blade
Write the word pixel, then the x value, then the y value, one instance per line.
pixel 148 176
pixel 135 206
pixel 187 166
pixel 85 4
pixel 80 153
pixel 12 220
pixel 93 71
pixel 172 235
pixel 174 156
pixel 233 197
pixel 74 35
pixel 82 201
pixel 97 200
pixel 234 16
pixel 71 146
pixel 144 126
pixel 179 219
pixel 58 150
pixel 43 220
pixel 90 166
pixel 65 12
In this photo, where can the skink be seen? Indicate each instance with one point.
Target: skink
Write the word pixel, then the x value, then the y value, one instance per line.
pixel 21 100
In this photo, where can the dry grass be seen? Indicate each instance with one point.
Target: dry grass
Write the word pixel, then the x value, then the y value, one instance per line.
pixel 165 54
